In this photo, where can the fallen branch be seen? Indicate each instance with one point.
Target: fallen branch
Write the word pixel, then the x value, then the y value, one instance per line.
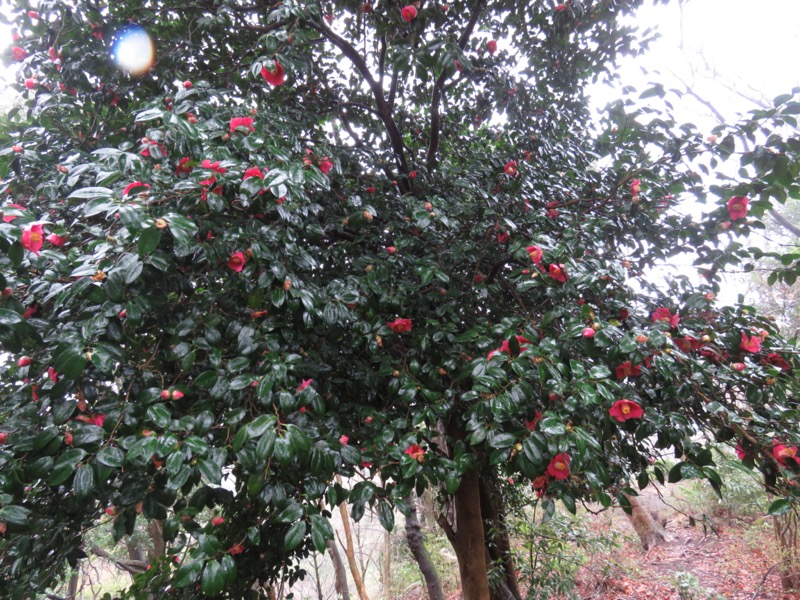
pixel 131 566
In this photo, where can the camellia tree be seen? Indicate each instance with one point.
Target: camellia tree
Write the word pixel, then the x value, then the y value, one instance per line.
pixel 380 241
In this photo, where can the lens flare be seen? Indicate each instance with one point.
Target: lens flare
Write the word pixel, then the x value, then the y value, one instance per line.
pixel 132 50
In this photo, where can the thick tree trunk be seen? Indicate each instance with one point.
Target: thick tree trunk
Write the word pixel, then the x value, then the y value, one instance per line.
pixel 464 529
pixel 134 550
pixel 340 581
pixel 786 529
pixel 650 532
pixel 415 543
pixel 157 538
pixel 468 541
pixel 498 544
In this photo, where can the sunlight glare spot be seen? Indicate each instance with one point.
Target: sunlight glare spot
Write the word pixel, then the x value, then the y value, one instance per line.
pixel 132 50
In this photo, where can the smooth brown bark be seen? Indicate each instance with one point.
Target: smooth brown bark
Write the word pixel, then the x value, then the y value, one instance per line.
pixel 387 565
pixel 469 543
pixel 157 538
pixel 340 582
pixel 498 546
pixel 421 555
pixel 350 552
pixel 72 588
pixel 650 532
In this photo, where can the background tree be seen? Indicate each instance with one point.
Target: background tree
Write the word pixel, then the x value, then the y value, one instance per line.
pixel 376 241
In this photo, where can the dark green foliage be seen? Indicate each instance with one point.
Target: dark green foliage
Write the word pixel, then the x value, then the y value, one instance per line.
pixel 183 321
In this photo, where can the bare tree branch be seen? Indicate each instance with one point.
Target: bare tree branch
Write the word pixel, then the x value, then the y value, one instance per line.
pixel 436 120
pixel 384 109
pixel 131 566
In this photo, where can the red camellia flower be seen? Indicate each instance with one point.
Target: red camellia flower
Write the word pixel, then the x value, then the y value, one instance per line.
pixel 217 521
pixel 133 186
pixel 184 166
pixel 531 425
pixel 9 218
pixel 502 237
pixel 750 344
pixel 207 164
pixel 587 332
pixel 505 348
pixel 370 190
pixel 409 13
pixel 536 254
pixel 664 315
pixel 304 384
pixel 343 439
pixel 557 272
pixel 510 168
pixel 737 207
pixel 24 361
pixel 96 419
pixel 740 453
pixel 540 485
pixel 177 394
pixel 18 53
pixel 57 240
pixel 30 311
pixel 737 366
pixel 237 261
pixel 636 185
pixel 627 369
pixel 246 122
pixel 325 165
pixel 3 437
pixel 784 453
pixel 400 325
pixel 391 250
pixel 559 466
pixel 416 452
pixel 776 360
pixel 52 374
pixel 622 410
pixel 561 8
pixel 687 344
pixel 253 172
pixel 275 77
pixel 236 549
pixel 33 238
pixel 491 46
pixel 30 83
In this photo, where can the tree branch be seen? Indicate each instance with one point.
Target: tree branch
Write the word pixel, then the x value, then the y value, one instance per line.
pixel 384 109
pixel 436 120
pixel 382 59
pixel 784 222
pixel 131 566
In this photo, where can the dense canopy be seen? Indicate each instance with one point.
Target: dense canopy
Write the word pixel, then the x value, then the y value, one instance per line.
pixel 379 241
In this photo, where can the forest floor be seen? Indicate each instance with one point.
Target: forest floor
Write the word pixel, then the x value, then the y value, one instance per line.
pixel 736 561
pixel 734 557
